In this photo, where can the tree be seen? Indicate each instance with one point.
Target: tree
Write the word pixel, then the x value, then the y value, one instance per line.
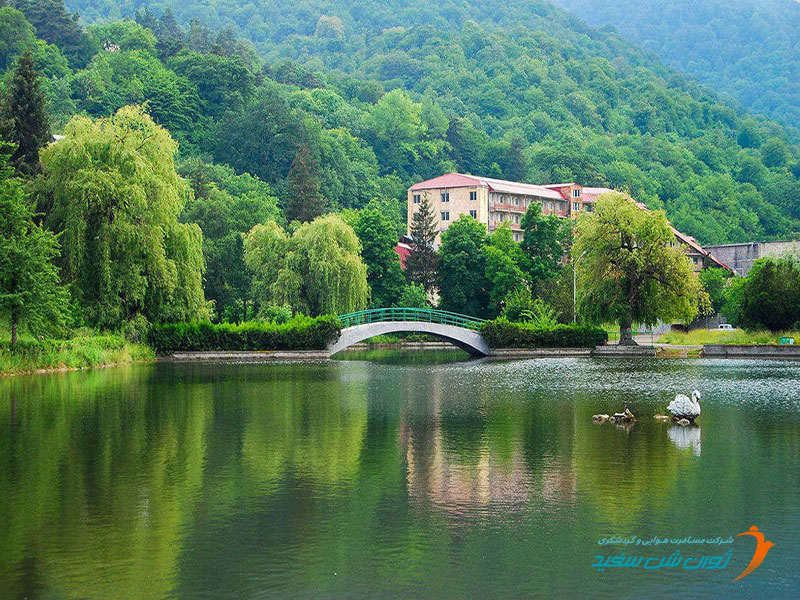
pixel 421 261
pixel 16 34
pixel 771 294
pixel 713 281
pixel 384 273
pixel 503 273
pixel 316 271
pixel 630 271
pixel 305 202
pixel 226 206
pixel 462 268
pixel 115 198
pixel 55 25
pixel 542 243
pixel 30 289
pixel 26 117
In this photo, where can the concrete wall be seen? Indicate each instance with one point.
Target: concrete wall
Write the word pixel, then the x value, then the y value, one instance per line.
pixel 740 257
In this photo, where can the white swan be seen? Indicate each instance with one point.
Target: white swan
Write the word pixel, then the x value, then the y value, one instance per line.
pixel 683 408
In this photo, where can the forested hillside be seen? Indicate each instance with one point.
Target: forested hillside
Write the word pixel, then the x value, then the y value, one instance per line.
pixel 747 49
pixel 374 99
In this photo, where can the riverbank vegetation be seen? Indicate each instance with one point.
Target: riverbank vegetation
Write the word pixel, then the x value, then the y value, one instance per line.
pixel 84 349
pixel 502 333
pixel 698 337
pixel 297 333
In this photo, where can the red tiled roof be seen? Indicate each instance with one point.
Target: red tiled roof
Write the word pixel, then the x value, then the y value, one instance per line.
pixel 403 250
pixel 453 180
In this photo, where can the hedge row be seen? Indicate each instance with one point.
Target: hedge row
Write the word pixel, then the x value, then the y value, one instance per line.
pixel 298 333
pixel 502 333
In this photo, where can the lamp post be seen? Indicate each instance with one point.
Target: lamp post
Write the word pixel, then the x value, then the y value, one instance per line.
pixel 575 287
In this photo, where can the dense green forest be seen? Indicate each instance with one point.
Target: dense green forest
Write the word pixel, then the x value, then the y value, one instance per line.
pixel 543 98
pixel 745 49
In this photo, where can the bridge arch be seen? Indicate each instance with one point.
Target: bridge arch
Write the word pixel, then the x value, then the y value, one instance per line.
pixel 460 330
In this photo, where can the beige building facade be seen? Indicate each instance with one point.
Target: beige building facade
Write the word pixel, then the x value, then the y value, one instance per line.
pixel 492 202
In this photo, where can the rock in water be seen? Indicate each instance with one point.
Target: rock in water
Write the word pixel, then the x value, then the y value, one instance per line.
pixel 662 417
pixel 628 415
pixel 599 418
pixel 684 422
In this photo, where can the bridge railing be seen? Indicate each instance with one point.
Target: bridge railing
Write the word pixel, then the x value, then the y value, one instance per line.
pixel 419 315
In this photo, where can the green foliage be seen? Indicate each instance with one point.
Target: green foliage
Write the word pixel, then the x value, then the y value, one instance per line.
pixel 714 281
pixel 16 34
pixel 299 333
pixel 226 206
pixel 83 350
pixel 384 273
pixel 112 192
pixel 461 264
pixel 55 25
pixel 746 49
pixel 23 114
pixel 543 242
pixel 305 201
pixel 30 290
pixel 630 271
pixel 503 273
pixel 414 296
pixel 502 333
pixel 421 262
pixel 771 294
pixel 541 315
pixel 317 270
pixel 517 304
pixel 734 296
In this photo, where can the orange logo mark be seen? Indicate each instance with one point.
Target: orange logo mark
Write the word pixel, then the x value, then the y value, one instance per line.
pixel 762 547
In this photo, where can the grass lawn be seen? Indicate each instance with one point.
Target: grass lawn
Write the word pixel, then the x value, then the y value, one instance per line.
pixel 85 350
pixel 737 336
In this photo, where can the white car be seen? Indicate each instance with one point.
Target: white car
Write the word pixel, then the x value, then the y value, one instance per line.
pixel 725 327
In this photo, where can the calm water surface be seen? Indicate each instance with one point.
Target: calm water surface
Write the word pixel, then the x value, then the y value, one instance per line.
pixel 396 478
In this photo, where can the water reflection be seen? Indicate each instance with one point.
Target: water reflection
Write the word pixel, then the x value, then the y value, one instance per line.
pixel 685 437
pixel 249 480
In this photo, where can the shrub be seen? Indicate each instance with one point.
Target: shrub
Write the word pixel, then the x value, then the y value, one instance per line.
pixel 299 333
pixel 502 333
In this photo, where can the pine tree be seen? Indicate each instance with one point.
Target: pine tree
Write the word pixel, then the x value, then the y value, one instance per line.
pixel 305 201
pixel 25 118
pixel 421 261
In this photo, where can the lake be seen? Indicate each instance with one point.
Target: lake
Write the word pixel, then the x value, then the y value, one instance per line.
pixel 409 476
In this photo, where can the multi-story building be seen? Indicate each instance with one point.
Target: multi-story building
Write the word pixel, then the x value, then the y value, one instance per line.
pixel 492 201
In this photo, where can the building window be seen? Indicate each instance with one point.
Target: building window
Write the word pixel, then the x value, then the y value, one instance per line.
pixel 576 206
pixel 416 198
pixel 576 193
pixel 473 214
pixel 445 215
pixel 473 195
pixel 445 196
pixel 516 218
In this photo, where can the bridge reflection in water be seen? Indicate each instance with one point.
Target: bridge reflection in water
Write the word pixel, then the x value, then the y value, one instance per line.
pixel 460 330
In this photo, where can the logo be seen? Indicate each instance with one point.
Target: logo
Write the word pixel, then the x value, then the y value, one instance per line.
pixel 762 547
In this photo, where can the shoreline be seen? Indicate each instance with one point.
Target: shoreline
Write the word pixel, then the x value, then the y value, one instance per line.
pixel 662 351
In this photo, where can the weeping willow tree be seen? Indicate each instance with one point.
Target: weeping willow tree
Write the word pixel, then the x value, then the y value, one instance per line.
pixel 111 190
pixel 316 271
pixel 630 270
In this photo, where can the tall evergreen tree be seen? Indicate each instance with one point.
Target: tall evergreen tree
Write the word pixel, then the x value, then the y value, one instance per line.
pixel 57 26
pixel 25 118
pixel 305 201
pixel 421 261
pixel 30 290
